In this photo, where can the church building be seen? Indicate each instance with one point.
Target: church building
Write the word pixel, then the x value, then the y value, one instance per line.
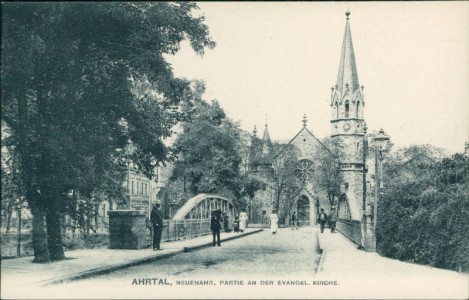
pixel 343 152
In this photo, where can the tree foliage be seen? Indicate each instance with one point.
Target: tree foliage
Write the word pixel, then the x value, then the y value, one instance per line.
pixel 72 75
pixel 424 214
pixel 286 182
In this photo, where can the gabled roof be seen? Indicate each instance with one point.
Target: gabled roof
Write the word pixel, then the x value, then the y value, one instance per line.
pixel 294 138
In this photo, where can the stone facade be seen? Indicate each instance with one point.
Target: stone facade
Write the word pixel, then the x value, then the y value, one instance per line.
pixel 127 229
pixel 347 132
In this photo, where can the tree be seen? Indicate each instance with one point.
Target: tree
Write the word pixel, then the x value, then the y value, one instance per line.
pixel 327 169
pixel 209 150
pixel 423 214
pixel 68 90
pixel 286 182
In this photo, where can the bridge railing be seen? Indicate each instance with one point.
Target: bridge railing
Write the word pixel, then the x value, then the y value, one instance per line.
pixel 351 229
pixel 174 230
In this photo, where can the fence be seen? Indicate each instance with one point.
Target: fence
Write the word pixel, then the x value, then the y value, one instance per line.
pixel 174 230
pixel 351 229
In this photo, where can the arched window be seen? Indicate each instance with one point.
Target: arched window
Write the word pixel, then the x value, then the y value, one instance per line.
pixel 358 109
pixel 344 211
pixel 336 110
pixel 347 109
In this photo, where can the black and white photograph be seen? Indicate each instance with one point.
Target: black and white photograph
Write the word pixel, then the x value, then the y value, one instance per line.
pixel 234 150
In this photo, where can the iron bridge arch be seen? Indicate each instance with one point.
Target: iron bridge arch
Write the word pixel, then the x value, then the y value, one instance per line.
pixel 200 207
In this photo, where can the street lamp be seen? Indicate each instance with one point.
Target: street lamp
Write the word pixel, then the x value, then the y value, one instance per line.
pixel 380 142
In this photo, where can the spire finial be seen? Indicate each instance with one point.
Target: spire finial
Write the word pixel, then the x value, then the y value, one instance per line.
pixel 347 14
pixel 305 120
pixel 265 120
pixel 254 132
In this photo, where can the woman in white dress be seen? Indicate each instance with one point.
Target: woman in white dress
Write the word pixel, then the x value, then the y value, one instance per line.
pixel 243 218
pixel 273 222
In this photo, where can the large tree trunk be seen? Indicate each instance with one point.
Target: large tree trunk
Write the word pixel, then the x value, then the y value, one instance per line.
pixel 41 249
pixel 54 233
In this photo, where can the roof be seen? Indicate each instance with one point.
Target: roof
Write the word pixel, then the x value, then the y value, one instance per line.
pixel 309 132
pixel 347 78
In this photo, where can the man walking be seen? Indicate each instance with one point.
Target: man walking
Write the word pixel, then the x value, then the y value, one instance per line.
pixel 157 222
pixel 322 219
pixel 294 224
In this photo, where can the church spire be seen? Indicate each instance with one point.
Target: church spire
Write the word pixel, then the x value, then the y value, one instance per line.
pixel 266 137
pixel 347 79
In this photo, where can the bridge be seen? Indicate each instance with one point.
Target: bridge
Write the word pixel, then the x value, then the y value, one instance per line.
pixel 193 218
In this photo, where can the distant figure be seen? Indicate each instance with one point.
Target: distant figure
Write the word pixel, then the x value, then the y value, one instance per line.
pixel 236 223
pixel 226 223
pixel 215 226
pixel 294 222
pixel 156 219
pixel 243 218
pixel 333 219
pixel 322 219
pixel 273 222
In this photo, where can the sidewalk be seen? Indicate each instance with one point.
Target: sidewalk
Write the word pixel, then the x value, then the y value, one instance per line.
pixel 21 272
pixel 389 278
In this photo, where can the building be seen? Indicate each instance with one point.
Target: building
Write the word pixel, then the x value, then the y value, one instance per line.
pixel 347 133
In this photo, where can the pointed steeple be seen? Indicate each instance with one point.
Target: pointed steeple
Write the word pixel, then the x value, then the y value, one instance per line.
pixel 267 148
pixel 348 76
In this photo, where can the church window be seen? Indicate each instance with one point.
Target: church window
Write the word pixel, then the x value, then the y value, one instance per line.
pixel 344 210
pixel 358 108
pixel 347 109
pixel 337 110
pixel 358 146
pixel 304 170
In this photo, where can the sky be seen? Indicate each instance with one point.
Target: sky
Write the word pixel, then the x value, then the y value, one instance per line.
pixel 277 61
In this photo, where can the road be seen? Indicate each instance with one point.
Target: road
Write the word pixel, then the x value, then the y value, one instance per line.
pixel 262 257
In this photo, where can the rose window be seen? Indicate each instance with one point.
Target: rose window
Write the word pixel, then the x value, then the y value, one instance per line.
pixel 304 170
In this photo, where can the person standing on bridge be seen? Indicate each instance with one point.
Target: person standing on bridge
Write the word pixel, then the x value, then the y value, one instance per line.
pixel 333 219
pixel 236 223
pixel 156 219
pixel 243 218
pixel 294 222
pixel 273 222
pixel 322 219
pixel 215 226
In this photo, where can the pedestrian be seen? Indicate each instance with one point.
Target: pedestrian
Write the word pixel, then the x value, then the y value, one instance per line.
pixel 215 226
pixel 273 222
pixel 156 219
pixel 243 219
pixel 236 223
pixel 294 224
pixel 226 223
pixel 322 219
pixel 333 219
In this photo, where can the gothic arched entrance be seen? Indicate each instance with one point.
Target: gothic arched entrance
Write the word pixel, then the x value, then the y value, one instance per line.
pixel 303 211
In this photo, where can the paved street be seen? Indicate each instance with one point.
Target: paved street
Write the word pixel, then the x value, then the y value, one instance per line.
pixel 288 255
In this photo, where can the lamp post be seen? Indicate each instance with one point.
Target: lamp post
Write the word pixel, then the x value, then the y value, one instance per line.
pixel 380 143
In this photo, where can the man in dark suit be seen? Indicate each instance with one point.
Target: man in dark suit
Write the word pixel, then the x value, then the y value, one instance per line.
pixel 215 226
pixel 157 221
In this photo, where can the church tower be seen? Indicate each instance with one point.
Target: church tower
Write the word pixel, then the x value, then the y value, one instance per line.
pixel 347 122
pixel 261 152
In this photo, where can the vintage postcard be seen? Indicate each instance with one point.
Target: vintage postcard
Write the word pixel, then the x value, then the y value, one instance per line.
pixel 235 150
